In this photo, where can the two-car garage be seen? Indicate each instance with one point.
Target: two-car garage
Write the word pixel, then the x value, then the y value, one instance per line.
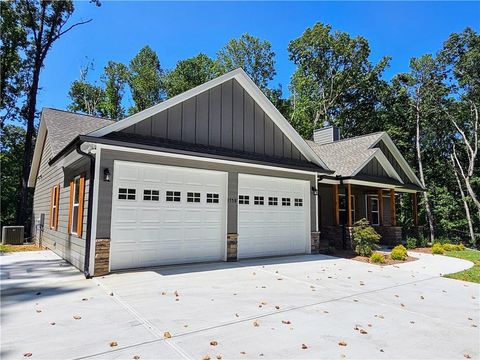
pixel 171 215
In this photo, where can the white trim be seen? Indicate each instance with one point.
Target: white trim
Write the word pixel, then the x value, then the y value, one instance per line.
pixel 72 220
pixel 382 159
pixel 252 90
pixel 399 157
pixel 37 153
pixel 93 234
pixel 317 225
pixel 367 210
pixel 329 181
pixel 204 159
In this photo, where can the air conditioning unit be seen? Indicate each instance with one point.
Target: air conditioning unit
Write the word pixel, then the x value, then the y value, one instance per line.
pixel 12 235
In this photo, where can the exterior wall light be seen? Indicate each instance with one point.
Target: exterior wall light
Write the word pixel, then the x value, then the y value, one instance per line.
pixel 314 190
pixel 106 175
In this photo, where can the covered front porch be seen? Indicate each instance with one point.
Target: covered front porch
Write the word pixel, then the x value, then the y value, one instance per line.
pixel 341 204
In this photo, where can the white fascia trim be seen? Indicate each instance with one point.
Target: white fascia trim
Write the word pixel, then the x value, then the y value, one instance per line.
pixel 37 153
pixel 378 185
pixel 203 159
pixel 329 181
pixel 399 157
pixel 252 90
pixel 382 159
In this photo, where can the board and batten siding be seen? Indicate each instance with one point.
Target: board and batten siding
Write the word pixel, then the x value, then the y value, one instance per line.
pixel 105 189
pixel 381 145
pixel 225 116
pixel 69 247
pixel 374 168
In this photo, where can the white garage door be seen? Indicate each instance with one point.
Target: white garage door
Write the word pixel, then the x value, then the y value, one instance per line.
pixel 166 215
pixel 273 216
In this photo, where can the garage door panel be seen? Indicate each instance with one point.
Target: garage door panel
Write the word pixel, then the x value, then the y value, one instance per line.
pixel 147 232
pixel 267 230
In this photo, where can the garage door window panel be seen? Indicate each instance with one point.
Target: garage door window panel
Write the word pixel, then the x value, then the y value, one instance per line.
pixel 258 200
pixel 298 202
pixel 244 199
pixel 151 195
pixel 213 198
pixel 173 196
pixel 193 197
pixel 285 201
pixel 127 194
pixel 273 201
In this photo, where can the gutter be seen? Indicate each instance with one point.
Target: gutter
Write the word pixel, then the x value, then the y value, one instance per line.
pixel 86 266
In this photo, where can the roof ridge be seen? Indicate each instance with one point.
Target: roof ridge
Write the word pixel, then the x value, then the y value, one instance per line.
pixel 350 138
pixel 76 113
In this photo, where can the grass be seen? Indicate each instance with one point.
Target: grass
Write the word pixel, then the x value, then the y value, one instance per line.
pixel 472 274
pixel 18 248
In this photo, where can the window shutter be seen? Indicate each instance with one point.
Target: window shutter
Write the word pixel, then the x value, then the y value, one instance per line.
pixel 70 207
pixel 57 203
pixel 81 196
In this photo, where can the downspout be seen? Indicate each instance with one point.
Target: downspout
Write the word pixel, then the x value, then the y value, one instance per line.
pixel 344 230
pixel 86 270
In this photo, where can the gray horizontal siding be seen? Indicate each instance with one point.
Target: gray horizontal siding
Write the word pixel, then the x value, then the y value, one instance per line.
pixel 69 247
pixel 105 188
pixel 225 116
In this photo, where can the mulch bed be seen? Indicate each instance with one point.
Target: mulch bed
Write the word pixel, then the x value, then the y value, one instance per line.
pixel 349 254
pixel 425 250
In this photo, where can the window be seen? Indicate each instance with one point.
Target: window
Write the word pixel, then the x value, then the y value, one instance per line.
pixel 151 195
pixel 54 200
pixel 374 211
pixel 213 198
pixel 273 201
pixel 298 202
pixel 342 208
pixel 244 199
pixel 192 197
pixel 285 201
pixel 75 216
pixel 173 196
pixel 126 194
pixel 258 200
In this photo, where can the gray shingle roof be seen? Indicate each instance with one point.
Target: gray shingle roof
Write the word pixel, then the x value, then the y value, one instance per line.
pixel 64 126
pixel 345 156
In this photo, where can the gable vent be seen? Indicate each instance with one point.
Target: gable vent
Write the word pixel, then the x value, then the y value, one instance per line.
pixel 326 135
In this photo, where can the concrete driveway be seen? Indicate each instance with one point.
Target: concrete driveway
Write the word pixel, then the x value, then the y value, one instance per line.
pixel 281 308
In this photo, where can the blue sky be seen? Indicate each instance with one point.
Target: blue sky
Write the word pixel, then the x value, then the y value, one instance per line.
pixel 183 29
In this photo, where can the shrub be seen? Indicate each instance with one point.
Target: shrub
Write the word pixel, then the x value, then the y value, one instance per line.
pixel 411 243
pixel 448 247
pixel 364 238
pixel 459 247
pixel 437 248
pixel 442 240
pixel 422 240
pixel 399 253
pixel 377 258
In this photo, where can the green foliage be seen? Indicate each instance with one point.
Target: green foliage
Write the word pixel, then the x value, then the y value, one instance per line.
pixel 189 73
pixel 85 97
pixel 145 80
pixel 399 253
pixel 115 77
pixel 422 241
pixel 253 55
pixel 472 274
pixel 377 258
pixel 437 248
pixel 411 243
pixel 453 247
pixel 365 239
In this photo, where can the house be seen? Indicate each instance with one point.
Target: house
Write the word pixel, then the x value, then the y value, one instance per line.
pixel 215 173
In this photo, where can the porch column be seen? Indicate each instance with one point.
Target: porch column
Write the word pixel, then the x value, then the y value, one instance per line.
pixel 380 205
pixel 393 210
pixel 349 205
pixel 414 209
pixel 336 214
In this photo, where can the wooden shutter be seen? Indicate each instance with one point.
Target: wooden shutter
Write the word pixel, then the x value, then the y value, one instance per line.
pixel 70 207
pixel 81 196
pixel 57 203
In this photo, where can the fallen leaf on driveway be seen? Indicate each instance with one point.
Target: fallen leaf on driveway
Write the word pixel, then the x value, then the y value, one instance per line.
pixel 256 324
pixel 136 357
pixel 396 295
pixel 38 311
pixel 402 305
pixel 164 293
pixel 379 316
pixel 264 303
pixel 304 346
pixel 412 322
pixel 176 293
pixel 167 335
pixel 369 325
pixel 111 294
pixel 242 352
pixel 277 307
pixel 77 317
pixel 27 354
pixel 237 315
pixel 213 343
pixel 342 343
pixel 286 322
pixel 421 297
pixel 52 323
pixel 363 332
pixel 113 344
pixel 279 279
pixel 218 357
pixel 84 299
pixel 206 357
pixel 254 273
pixel 466 356
pixel 325 311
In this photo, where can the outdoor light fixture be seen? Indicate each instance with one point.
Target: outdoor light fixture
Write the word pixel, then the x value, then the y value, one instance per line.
pixel 106 175
pixel 314 190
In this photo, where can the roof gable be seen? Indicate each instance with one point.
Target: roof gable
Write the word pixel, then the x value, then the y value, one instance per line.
pixel 224 88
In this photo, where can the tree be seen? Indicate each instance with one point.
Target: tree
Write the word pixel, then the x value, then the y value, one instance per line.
pixel 11 156
pixel 145 80
pixel 251 54
pixel 85 97
pixel 44 23
pixel 333 74
pixel 115 77
pixel 13 38
pixel 189 73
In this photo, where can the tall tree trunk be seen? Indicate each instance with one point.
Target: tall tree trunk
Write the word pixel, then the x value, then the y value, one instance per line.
pixel 422 177
pixel 465 204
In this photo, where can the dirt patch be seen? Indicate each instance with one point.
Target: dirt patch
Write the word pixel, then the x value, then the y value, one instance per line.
pixel 425 250
pixel 346 254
